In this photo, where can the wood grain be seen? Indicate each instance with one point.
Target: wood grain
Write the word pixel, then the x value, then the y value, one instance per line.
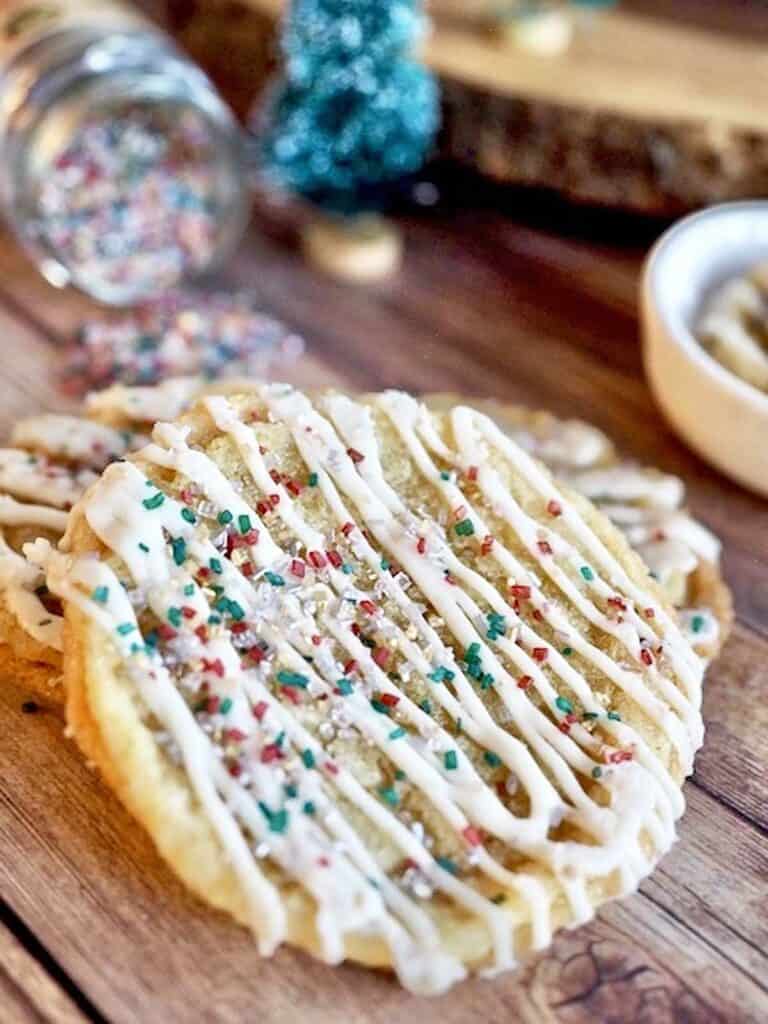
pixel 28 995
pixel 536 306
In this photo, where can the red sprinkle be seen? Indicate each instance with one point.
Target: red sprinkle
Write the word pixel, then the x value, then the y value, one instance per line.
pixel 212 705
pixel 524 682
pixel 539 653
pixel 351 666
pixel 421 545
pixel 487 545
pixel 247 569
pixel 239 627
pixel 275 476
pixel 355 629
pixel 331 768
pixel 472 473
pixel 234 769
pixel 293 695
pixel 316 559
pixel 520 590
pixel 202 633
pixel 545 547
pixel 554 508
pixel 271 753
pixel 347 528
pixel 260 709
pixel 449 578
pixel 334 558
pixel 317 640
pixel 262 508
pixel 355 455
pixel 236 735
pixel 298 568
pixel 537 615
pixel 274 499
pixel 368 606
pixel 472 836
pixel 256 654
pixel 187 612
pixel 617 602
pixel 389 699
pixel 649 613
pixel 216 666
pixel 618 756
pixel 646 657
pixel 381 656
pixel 293 488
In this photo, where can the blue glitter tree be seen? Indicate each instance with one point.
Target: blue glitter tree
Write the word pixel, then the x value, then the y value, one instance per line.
pixel 354 112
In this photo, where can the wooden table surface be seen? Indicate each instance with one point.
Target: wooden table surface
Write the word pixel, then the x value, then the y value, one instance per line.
pixel 537 305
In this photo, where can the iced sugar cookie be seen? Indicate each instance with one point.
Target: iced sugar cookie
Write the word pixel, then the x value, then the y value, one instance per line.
pixel 373 681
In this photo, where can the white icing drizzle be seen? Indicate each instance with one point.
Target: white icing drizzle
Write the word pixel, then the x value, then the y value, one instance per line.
pixel 38 478
pixel 547 748
pixel 74 439
pixel 19 580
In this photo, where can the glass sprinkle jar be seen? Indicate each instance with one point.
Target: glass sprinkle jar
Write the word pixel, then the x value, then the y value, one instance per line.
pixel 121 168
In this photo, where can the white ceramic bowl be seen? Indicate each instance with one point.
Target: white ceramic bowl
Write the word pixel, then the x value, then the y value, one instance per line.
pixel 721 416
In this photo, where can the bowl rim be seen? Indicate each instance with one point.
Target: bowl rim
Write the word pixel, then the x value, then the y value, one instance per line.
pixel 675 329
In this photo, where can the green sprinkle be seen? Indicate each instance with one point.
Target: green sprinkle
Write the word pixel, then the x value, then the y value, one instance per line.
pixel 399 774
pixel 487 681
pixel 236 611
pixel 590 716
pixel 697 623
pixel 597 772
pixel 312 479
pixel 215 564
pixel 214 620
pixel 179 547
pixel 151 639
pixel 587 573
pixel 499 898
pixel 451 760
pixel 244 523
pixel 278 821
pixel 136 648
pixel 397 733
pixel 389 795
pixel 426 707
pixel 274 578
pixel 614 716
pixel 224 517
pixel 280 739
pixel 492 759
pixel 292 679
pixel 447 865
pixel 472 652
pixel 564 705
pixel 308 758
pixel 384 564
pixel 441 674
pixel 465 528
pixel 226 706
pixel 345 687
pixel 189 515
pixel 101 594
pixel 445 475
pixel 174 617
pixel 475 670
pixel 290 791
pixel 347 569
pixel 125 627
pixel 378 706
pixel 189 590
pixel 154 502
pixel 308 808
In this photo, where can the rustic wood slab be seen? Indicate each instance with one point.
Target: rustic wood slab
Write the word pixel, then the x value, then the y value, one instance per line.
pixel 524 309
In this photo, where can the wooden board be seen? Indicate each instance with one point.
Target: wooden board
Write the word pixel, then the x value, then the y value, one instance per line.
pixel 642 112
pixel 512 308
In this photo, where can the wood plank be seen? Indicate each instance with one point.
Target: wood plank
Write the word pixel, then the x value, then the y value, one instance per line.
pixel 28 995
